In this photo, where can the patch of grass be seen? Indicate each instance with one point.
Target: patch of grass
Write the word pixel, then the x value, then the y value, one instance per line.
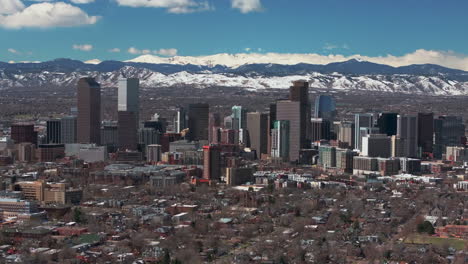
pixel 458 244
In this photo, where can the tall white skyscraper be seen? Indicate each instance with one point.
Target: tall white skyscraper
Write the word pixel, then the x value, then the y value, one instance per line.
pixel 361 121
pixel 128 96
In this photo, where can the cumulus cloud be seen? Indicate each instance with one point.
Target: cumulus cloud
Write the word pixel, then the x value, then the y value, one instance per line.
pixel 172 6
pixel 114 50
pixel 8 7
pixel 247 6
pixel 330 46
pixel 83 47
pixel 13 51
pixel 166 52
pixel 161 52
pixel 82 1
pixel 45 15
pixel 133 50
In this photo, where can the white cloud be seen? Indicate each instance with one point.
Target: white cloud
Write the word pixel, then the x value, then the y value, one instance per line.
pixel 82 47
pixel 8 7
pixel 330 46
pixel 93 61
pixel 161 52
pixel 133 50
pixel 114 50
pixel 45 15
pixel 166 52
pixel 13 51
pixel 82 1
pixel 247 6
pixel 172 6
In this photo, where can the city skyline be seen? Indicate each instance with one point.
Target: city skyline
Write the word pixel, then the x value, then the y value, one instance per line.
pixel 125 29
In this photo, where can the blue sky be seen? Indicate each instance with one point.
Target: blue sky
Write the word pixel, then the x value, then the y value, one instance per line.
pixel 204 27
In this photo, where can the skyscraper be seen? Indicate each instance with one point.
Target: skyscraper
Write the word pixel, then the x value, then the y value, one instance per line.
pixel 257 127
pixel 214 122
pixel 299 92
pixel 291 111
pixel 408 132
pixel 377 145
pixel 280 140
pixel 23 133
pixel 346 133
pixel 89 111
pixel 198 121
pixel 68 129
pixel 211 162
pixel 180 120
pixel 128 112
pixel 239 117
pixel 129 96
pixel 127 130
pixel 361 121
pixel 320 129
pixel 325 107
pixel 54 131
pixel 387 123
pixel 448 131
pixel 426 131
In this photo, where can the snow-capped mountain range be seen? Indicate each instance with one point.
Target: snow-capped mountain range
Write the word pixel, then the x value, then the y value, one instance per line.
pixel 155 71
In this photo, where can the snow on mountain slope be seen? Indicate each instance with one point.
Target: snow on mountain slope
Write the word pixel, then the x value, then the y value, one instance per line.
pixel 238 59
pixel 432 85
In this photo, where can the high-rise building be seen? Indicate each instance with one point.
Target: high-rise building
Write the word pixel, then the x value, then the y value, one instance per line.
pixel 153 153
pixel 239 117
pixel 291 111
pixel 361 121
pixel 227 122
pixel 156 123
pixel 388 166
pixel 408 132
pixel 344 159
pixel 325 107
pixel 280 140
pixel 299 92
pixel 68 129
pixel 89 111
pixel 147 136
pixel 448 131
pixel 376 145
pixel 321 129
pixel 110 135
pixel 211 162
pixel 426 132
pixel 127 130
pixel 387 123
pixel 198 121
pixel 214 121
pixel 271 121
pixel 257 126
pixel 23 133
pixel 129 96
pixel 54 131
pixel 128 112
pixel 346 133
pixel 327 156
pixel 50 152
pixel 398 146
pixel 26 152
pixel 180 120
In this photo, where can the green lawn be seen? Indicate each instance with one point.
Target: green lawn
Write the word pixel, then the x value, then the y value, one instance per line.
pixel 458 244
